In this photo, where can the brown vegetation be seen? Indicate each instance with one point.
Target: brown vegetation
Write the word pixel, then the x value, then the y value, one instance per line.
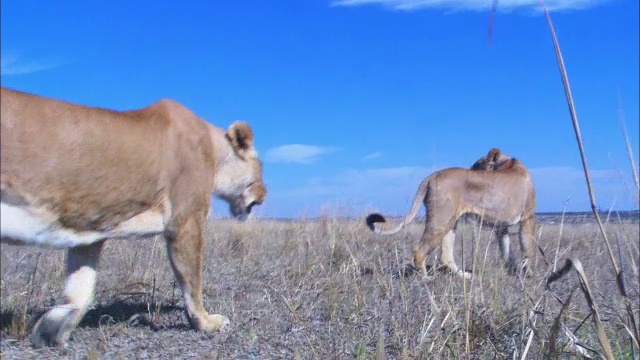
pixel 330 289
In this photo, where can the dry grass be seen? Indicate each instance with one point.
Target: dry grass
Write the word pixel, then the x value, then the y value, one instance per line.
pixel 331 289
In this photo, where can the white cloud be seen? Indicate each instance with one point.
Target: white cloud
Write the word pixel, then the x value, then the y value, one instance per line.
pixel 297 153
pixel 12 64
pixel 372 156
pixel 473 5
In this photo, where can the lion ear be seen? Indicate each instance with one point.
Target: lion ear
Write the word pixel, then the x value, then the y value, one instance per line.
pixel 240 136
pixel 494 154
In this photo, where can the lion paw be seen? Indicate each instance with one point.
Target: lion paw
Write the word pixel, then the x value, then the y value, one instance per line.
pixel 54 327
pixel 218 322
pixel 465 274
pixel 214 322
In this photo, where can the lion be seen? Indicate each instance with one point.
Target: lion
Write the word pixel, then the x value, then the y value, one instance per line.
pixel 73 176
pixel 497 189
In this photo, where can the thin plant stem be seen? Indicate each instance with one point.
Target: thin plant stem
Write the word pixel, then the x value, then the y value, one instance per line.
pixel 576 127
pixel 634 172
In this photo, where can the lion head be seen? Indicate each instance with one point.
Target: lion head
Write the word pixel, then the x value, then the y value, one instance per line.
pixel 239 177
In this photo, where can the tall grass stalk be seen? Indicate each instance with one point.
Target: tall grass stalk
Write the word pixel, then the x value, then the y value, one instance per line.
pixel 555 259
pixel 574 118
pixel 588 294
pixel 576 128
pixel 623 126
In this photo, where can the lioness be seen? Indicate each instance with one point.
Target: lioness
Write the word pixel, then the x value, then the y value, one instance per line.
pixel 497 189
pixel 73 176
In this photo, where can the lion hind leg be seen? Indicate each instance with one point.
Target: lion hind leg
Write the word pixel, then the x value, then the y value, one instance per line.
pixel 447 255
pixel 527 242
pixel 55 326
pixel 429 242
pixel 431 239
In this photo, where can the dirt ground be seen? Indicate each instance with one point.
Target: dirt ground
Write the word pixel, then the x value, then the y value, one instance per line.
pixel 330 289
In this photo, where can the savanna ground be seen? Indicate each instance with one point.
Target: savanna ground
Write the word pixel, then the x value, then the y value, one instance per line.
pixel 330 289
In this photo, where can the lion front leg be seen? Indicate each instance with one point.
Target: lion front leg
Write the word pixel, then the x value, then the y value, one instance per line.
pixel 185 248
pixel 55 326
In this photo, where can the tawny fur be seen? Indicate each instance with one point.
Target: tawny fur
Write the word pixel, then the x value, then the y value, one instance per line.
pixel 497 189
pixel 73 176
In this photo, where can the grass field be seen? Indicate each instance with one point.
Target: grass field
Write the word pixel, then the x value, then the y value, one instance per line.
pixel 330 289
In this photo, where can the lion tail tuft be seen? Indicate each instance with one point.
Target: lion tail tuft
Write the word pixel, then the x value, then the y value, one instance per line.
pixel 374 218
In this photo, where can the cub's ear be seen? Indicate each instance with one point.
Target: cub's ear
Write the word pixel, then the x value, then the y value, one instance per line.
pixel 494 154
pixel 506 165
pixel 240 136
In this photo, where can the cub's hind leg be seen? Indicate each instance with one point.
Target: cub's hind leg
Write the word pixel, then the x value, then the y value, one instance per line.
pixel 54 327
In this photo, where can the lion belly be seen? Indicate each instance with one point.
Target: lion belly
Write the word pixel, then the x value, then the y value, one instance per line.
pixel 26 225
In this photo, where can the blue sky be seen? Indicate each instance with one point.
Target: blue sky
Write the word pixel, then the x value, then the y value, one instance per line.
pixel 353 102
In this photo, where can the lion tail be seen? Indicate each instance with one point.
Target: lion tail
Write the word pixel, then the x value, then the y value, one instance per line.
pixel 373 220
